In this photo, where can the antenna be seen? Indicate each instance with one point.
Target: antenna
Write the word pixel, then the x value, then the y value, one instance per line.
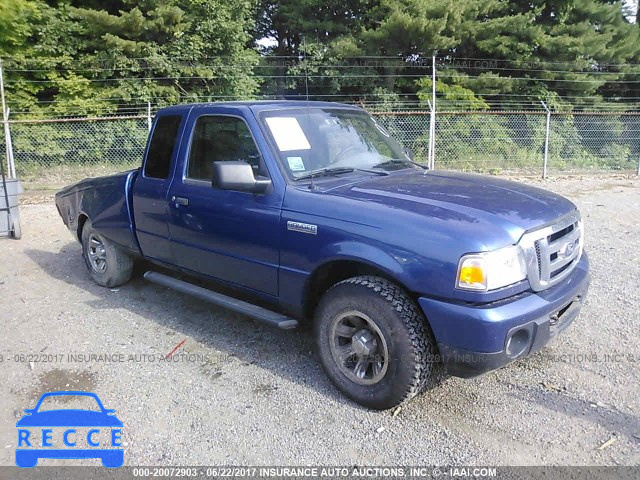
pixel 306 70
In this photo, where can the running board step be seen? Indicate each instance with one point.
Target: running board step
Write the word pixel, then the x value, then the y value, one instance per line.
pixel 263 315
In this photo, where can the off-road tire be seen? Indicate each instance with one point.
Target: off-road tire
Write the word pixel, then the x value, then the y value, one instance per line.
pixel 411 348
pixel 118 266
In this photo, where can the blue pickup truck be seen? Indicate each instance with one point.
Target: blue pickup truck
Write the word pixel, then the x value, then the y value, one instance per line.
pixel 311 213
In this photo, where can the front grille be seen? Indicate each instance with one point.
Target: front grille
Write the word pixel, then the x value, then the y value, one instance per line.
pixel 538 258
pixel 553 252
pixel 555 236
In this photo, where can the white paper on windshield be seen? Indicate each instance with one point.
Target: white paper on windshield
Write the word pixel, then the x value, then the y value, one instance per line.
pixel 288 134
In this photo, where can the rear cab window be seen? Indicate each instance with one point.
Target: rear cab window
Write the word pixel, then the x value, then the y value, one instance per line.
pixel 161 147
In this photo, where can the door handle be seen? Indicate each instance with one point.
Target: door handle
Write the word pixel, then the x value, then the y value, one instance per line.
pixel 180 200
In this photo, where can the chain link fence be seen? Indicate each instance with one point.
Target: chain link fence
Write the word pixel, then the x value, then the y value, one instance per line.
pixel 584 142
pixel 514 142
pixel 490 143
pixel 52 153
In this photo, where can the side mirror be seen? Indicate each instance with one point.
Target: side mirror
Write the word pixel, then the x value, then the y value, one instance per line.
pixel 237 175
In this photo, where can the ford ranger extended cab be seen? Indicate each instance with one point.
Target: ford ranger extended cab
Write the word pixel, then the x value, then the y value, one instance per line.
pixel 310 212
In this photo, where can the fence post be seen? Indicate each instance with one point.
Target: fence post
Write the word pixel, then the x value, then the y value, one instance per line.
pixel 432 139
pixel 5 123
pixel 149 116
pixel 546 141
pixel 432 119
pixel 430 136
pixel 11 160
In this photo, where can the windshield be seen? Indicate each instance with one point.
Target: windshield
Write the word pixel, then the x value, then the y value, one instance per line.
pixel 69 402
pixel 314 139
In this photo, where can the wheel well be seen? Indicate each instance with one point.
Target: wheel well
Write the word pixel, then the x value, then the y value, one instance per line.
pixel 331 273
pixel 81 221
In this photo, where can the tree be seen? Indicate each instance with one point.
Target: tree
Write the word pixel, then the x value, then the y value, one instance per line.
pixel 566 49
pixel 16 18
pixel 96 60
pixel 563 50
pixel 293 25
pixel 96 56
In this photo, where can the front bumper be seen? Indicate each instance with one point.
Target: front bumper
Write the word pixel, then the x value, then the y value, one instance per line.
pixel 474 339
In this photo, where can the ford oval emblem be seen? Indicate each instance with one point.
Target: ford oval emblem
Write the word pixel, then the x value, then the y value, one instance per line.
pixel 567 249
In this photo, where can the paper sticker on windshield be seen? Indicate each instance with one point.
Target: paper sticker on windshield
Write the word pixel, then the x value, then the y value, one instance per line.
pixel 296 164
pixel 288 134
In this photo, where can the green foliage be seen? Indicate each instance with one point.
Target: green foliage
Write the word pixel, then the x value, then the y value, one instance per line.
pixel 93 57
pixel 551 50
pixel 405 27
pixel 54 154
pixel 492 143
pixel 85 61
pixel 16 24
pixel 454 95
pixel 567 53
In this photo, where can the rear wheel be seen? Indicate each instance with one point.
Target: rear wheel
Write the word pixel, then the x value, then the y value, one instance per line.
pixel 373 342
pixel 26 459
pixel 16 229
pixel 108 264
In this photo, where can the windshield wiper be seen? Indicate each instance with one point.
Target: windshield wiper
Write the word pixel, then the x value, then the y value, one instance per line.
pixel 324 172
pixel 377 172
pixel 395 161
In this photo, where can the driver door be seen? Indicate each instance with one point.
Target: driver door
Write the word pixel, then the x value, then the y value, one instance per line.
pixel 225 234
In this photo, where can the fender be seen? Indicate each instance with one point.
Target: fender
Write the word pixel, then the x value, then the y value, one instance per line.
pixel 386 260
pixel 295 284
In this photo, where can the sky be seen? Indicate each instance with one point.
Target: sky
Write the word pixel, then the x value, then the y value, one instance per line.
pixel 632 5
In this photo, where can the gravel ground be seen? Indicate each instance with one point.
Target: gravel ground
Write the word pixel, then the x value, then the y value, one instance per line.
pixel 240 393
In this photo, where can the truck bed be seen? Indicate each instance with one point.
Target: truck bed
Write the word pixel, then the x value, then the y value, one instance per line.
pixel 107 201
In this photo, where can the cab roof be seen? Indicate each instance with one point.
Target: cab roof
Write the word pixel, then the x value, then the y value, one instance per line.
pixel 256 105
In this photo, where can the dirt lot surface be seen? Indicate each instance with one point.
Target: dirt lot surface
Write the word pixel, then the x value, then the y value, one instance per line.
pixel 236 392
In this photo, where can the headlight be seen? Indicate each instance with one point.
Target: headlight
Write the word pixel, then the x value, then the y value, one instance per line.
pixel 491 270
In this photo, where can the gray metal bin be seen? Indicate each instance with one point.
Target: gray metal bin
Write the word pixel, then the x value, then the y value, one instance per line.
pixel 9 214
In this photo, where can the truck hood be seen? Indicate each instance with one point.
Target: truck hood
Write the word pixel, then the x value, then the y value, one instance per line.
pixel 453 196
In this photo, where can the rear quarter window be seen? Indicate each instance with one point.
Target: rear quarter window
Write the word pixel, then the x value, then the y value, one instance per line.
pixel 162 146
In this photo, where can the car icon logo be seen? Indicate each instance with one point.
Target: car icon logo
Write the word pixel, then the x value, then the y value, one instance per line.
pixel 69 433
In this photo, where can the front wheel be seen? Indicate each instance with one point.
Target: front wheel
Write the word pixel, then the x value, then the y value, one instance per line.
pixel 373 342
pixel 108 264
pixel 113 459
